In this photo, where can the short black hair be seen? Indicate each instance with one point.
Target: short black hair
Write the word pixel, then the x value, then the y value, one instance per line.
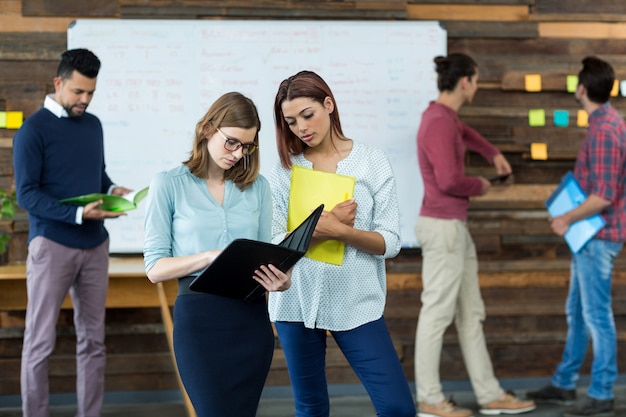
pixel 598 78
pixel 81 60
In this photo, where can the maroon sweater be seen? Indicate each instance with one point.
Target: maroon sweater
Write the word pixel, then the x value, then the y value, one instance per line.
pixel 441 143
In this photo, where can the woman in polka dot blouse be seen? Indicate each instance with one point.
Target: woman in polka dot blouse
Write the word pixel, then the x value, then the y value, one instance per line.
pixel 345 300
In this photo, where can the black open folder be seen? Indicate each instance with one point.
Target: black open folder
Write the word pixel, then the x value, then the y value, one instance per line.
pixel 230 274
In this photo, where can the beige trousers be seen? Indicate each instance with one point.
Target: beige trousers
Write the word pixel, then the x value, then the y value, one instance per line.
pixel 450 292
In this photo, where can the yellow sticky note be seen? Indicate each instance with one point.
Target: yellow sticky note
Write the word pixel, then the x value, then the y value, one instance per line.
pixel 532 82
pixel 536 117
pixel 3 119
pixel 14 119
pixel 572 83
pixel 582 119
pixel 615 89
pixel 539 151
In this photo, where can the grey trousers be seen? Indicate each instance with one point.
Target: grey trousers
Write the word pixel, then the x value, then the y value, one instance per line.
pixel 51 271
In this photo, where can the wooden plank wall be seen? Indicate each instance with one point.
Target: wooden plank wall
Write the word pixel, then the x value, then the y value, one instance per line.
pixel 524 268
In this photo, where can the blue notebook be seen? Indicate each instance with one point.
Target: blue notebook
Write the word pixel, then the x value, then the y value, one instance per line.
pixel 567 196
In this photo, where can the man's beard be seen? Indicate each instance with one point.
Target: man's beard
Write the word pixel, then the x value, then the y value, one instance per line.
pixel 70 112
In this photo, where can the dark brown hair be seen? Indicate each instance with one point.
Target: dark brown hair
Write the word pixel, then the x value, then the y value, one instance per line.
pixel 303 84
pixel 598 78
pixel 81 60
pixel 450 69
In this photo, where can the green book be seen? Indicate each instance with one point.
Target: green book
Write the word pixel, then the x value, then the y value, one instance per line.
pixel 110 202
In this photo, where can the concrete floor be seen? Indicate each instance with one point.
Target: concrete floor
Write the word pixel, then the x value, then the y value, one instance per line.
pixel 346 401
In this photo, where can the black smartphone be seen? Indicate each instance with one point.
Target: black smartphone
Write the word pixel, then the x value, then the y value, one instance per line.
pixel 499 179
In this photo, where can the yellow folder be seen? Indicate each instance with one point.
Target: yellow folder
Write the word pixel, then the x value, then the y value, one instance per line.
pixel 310 188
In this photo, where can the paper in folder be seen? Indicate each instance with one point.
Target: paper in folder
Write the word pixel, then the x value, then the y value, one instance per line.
pixel 230 274
pixel 567 196
pixel 310 187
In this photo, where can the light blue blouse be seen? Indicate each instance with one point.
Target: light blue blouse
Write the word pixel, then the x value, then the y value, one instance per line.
pixel 182 218
pixel 341 297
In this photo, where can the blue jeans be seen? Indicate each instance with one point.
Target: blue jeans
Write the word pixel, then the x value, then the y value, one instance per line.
pixel 370 352
pixel 590 317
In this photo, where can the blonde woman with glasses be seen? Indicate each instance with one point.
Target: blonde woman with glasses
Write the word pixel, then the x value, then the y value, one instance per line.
pixel 193 212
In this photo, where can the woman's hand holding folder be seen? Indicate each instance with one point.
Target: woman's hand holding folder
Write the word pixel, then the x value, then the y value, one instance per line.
pixel 345 212
pixel 272 278
pixel 331 223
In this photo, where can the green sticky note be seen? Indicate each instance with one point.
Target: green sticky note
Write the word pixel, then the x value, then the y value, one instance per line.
pixel 3 119
pixel 536 117
pixel 561 118
pixel 572 83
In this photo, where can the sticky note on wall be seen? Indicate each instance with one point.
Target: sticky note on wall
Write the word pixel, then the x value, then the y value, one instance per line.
pixel 532 82
pixel 582 119
pixel 3 119
pixel 615 89
pixel 622 87
pixel 572 83
pixel 14 119
pixel 561 118
pixel 539 151
pixel 536 117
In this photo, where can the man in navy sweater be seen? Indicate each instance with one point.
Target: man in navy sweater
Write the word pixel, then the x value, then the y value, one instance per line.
pixel 58 153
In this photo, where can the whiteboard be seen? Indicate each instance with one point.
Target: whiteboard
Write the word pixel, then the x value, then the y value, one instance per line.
pixel 158 77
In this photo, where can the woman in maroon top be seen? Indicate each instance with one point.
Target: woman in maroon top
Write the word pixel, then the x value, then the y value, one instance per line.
pixel 450 269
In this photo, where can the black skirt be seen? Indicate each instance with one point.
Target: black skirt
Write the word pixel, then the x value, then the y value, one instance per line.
pixel 223 350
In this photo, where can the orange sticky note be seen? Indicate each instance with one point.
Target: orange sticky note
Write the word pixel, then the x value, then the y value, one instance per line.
pixel 615 89
pixel 582 119
pixel 539 151
pixel 3 119
pixel 14 119
pixel 532 82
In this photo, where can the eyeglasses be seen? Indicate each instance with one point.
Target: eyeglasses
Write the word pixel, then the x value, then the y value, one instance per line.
pixel 232 145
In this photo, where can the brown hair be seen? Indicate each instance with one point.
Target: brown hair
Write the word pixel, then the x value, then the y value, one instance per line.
pixel 230 110
pixel 303 84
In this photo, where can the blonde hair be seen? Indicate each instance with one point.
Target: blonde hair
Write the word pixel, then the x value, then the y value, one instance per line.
pixel 230 110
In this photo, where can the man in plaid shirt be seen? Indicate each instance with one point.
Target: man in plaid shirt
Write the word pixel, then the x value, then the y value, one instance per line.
pixel 600 170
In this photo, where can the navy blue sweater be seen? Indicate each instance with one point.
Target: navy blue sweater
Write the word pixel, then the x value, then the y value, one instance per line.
pixel 56 158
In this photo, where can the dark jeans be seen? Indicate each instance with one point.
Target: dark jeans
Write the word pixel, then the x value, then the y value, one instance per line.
pixel 370 352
